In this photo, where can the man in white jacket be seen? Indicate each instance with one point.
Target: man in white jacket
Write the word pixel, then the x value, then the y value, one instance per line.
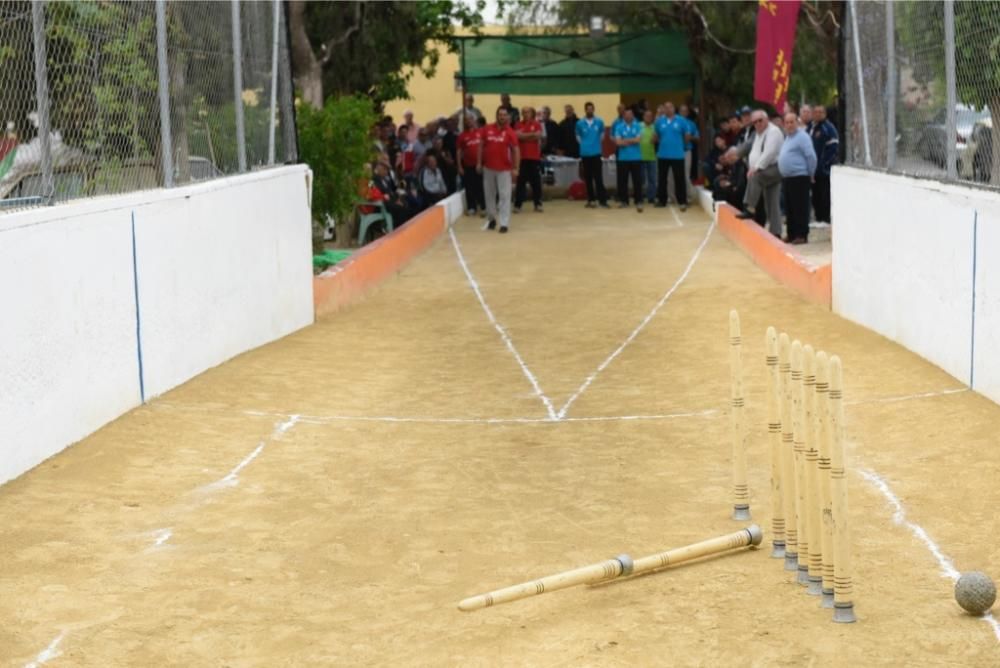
pixel 762 173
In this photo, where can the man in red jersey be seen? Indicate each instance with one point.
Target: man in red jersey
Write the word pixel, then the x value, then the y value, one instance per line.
pixel 499 159
pixel 468 157
pixel 529 135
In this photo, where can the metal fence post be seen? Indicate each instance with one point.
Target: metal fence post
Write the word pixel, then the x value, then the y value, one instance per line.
pixel 166 141
pixel 274 80
pixel 42 93
pixel 287 100
pixel 890 45
pixel 950 133
pixel 241 143
pixel 861 82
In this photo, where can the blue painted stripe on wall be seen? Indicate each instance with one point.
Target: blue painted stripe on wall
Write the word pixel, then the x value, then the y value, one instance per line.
pixel 138 318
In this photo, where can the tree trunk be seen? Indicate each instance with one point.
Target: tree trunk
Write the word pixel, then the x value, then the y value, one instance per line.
pixel 307 69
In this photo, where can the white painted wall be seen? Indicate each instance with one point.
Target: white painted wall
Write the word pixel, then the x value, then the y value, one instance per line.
pixel 903 252
pixel 454 207
pixel 223 267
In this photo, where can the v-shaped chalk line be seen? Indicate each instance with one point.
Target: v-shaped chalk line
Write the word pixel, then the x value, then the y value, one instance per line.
pixel 645 321
pixel 553 415
pixel 500 329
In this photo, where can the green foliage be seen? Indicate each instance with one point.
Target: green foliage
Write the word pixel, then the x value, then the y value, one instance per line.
pixel 335 142
pixel 102 77
pixel 391 38
pixel 211 131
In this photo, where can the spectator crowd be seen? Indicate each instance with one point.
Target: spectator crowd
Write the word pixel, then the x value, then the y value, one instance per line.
pixel 764 166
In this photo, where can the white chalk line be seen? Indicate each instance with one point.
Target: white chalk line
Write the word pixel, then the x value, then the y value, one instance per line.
pixel 907 397
pixel 500 328
pixel 47 654
pixel 947 566
pixel 232 478
pixel 417 419
pixel 680 223
pixel 326 419
pixel 161 536
pixel 645 321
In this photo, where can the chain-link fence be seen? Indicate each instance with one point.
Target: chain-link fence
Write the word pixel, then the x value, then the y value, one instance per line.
pixel 921 80
pixel 101 97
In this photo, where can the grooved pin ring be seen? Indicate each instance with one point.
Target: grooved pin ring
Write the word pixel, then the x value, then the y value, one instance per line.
pixel 627 564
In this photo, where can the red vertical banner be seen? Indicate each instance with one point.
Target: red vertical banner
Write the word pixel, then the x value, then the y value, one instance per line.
pixel 776 21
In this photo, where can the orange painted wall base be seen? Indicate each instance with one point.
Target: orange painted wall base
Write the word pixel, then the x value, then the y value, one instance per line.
pixel 346 281
pixel 777 258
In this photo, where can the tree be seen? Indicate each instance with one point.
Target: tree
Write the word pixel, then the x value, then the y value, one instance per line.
pixel 343 48
pixel 334 142
pixel 721 37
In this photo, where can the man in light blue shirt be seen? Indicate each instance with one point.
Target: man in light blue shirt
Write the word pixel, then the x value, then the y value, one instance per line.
pixel 797 164
pixel 627 136
pixel 670 131
pixel 589 132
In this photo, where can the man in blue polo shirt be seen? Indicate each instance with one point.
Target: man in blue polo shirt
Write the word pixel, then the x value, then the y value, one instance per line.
pixel 627 135
pixel 589 132
pixel 670 130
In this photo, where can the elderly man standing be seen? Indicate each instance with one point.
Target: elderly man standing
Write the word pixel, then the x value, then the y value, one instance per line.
pixel 550 132
pixel 499 160
pixel 568 144
pixel 468 108
pixel 797 164
pixel 762 172
pixel 825 143
pixel 806 117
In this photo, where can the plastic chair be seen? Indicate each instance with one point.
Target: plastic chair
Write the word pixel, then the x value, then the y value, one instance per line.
pixel 366 220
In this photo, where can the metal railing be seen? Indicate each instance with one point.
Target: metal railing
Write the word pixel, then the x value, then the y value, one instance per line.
pixel 104 97
pixel 922 79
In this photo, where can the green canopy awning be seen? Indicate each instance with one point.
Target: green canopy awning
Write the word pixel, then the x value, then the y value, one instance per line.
pixel 576 64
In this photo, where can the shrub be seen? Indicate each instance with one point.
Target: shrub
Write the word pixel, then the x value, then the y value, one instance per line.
pixel 335 142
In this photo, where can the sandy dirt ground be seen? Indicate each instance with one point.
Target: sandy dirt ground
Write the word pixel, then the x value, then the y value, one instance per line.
pixel 329 498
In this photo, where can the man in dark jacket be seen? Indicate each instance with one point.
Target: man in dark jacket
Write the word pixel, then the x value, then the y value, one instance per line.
pixel 826 143
pixel 550 143
pixel 567 134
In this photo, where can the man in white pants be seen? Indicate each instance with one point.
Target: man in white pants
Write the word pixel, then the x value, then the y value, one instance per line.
pixel 499 159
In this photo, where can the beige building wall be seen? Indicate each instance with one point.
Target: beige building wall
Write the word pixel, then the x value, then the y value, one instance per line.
pixel 438 97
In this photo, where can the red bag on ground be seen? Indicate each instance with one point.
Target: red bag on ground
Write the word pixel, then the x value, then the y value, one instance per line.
pixel 577 190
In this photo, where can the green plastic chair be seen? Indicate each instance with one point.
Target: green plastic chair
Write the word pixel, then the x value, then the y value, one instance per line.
pixel 366 220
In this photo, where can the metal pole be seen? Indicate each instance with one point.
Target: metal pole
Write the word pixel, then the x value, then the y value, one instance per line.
pixel 890 46
pixel 166 142
pixel 274 81
pixel 287 95
pixel 950 133
pixel 42 93
pixel 241 144
pixel 861 83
